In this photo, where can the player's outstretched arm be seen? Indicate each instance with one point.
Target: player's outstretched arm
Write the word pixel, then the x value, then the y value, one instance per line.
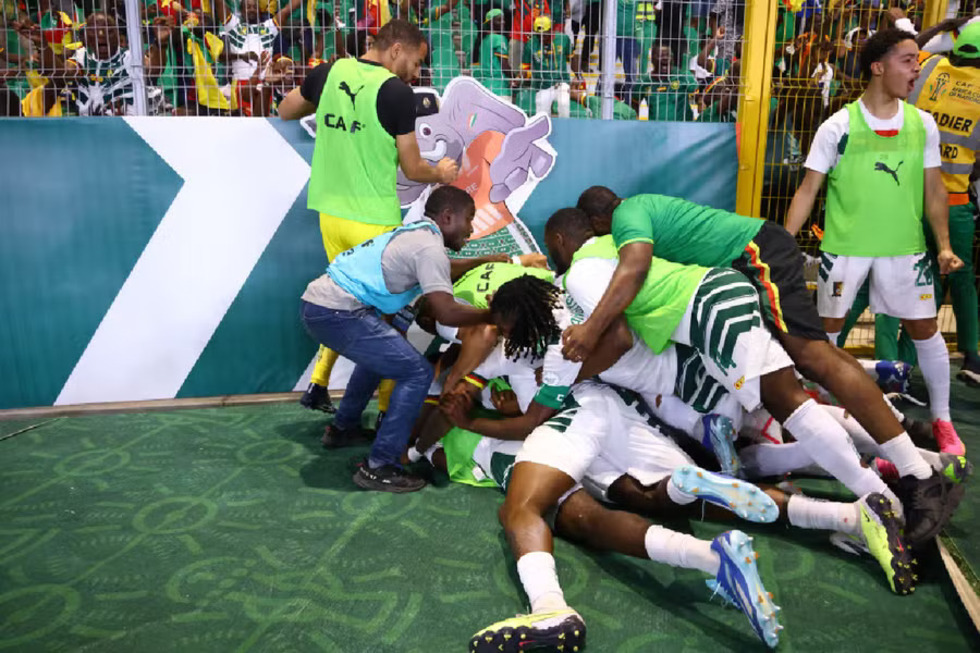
pixel 451 313
pixel 802 204
pixel 294 106
pixel 631 272
pixel 477 343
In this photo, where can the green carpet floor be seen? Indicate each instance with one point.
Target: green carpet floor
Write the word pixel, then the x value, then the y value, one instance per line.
pixel 231 530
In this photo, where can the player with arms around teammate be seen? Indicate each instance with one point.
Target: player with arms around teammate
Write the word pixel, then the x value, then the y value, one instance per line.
pixel 882 161
pixel 648 226
pixel 365 116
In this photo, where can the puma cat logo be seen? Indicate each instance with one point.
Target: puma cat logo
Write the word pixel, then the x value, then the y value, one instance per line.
pixel 351 94
pixel 894 173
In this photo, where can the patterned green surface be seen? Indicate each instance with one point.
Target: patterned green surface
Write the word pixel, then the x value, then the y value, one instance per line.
pixel 231 529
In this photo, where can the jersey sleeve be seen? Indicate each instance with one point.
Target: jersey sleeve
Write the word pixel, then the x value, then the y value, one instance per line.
pixel 396 107
pixel 586 283
pixel 931 157
pixel 631 224
pixel 558 374
pixel 824 152
pixel 312 87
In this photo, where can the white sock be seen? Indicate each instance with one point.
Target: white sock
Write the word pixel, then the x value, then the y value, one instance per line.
pixel 828 445
pixel 862 440
pixel 805 512
pixel 834 337
pixel 680 550
pixel 934 363
pixel 540 581
pixel 905 457
pixel 676 413
pixel 679 496
pixel 762 460
pixel 870 367
pixel 899 415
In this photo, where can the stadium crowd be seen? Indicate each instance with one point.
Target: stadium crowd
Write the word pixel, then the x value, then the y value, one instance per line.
pixel 679 59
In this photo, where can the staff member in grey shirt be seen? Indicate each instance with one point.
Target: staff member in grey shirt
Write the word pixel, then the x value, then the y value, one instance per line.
pixel 343 310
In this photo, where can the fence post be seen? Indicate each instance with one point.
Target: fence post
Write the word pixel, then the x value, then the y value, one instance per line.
pixel 134 38
pixel 935 11
pixel 607 76
pixel 753 103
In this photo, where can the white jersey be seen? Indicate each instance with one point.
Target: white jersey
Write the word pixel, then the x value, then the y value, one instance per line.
pixel 639 369
pixel 244 38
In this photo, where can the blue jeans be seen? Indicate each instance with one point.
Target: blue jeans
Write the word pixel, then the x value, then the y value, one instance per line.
pixel 378 352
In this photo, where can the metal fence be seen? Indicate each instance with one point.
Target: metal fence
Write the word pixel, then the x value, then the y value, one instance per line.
pixel 624 59
pixel 815 73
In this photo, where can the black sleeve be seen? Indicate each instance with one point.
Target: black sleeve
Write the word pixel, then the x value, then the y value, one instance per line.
pixel 396 107
pixel 312 86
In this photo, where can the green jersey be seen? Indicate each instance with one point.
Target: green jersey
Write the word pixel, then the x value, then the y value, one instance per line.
pixel 669 96
pixel 476 286
pixel 663 298
pixel 548 62
pixel 682 231
pixel 493 50
pixel 875 192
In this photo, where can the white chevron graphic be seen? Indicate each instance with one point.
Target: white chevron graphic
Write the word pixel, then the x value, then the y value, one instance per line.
pixel 240 179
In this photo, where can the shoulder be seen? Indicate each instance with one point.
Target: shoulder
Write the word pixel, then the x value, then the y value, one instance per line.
pixel 396 91
pixel 837 124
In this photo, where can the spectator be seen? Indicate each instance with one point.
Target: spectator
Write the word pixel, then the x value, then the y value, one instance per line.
pixel 669 89
pixel 495 71
pixel 548 59
pixel 104 70
pixel 525 13
pixel 197 41
pixel 250 38
pixel 593 105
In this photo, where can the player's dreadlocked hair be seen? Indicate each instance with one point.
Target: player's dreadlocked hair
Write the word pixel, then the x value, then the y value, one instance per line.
pixel 527 302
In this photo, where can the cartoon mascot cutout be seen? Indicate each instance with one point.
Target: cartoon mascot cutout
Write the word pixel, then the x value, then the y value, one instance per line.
pixel 502 156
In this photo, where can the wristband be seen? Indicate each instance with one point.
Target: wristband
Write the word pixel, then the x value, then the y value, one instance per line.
pixel 516 259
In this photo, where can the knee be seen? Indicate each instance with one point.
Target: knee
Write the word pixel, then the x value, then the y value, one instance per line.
pixel 815 359
pixel 921 329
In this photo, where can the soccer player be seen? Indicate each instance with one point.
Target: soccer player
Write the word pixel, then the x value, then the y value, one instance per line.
pixel 882 161
pixel 366 130
pixel 550 463
pixel 717 312
pixel 548 57
pixel 342 308
pixel 633 365
pixel 677 230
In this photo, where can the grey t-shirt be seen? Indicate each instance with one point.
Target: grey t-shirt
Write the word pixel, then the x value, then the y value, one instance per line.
pixel 410 258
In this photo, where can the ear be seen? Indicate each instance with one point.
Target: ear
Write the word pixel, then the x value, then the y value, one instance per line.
pixel 877 68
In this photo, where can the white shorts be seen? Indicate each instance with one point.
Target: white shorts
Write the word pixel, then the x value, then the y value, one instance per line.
pixel 495 459
pixel 572 439
pixel 638 450
pixel 724 325
pixel 901 286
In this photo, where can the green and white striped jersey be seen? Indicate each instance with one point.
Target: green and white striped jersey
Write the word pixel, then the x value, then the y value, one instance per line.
pixel 245 37
pixel 106 85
